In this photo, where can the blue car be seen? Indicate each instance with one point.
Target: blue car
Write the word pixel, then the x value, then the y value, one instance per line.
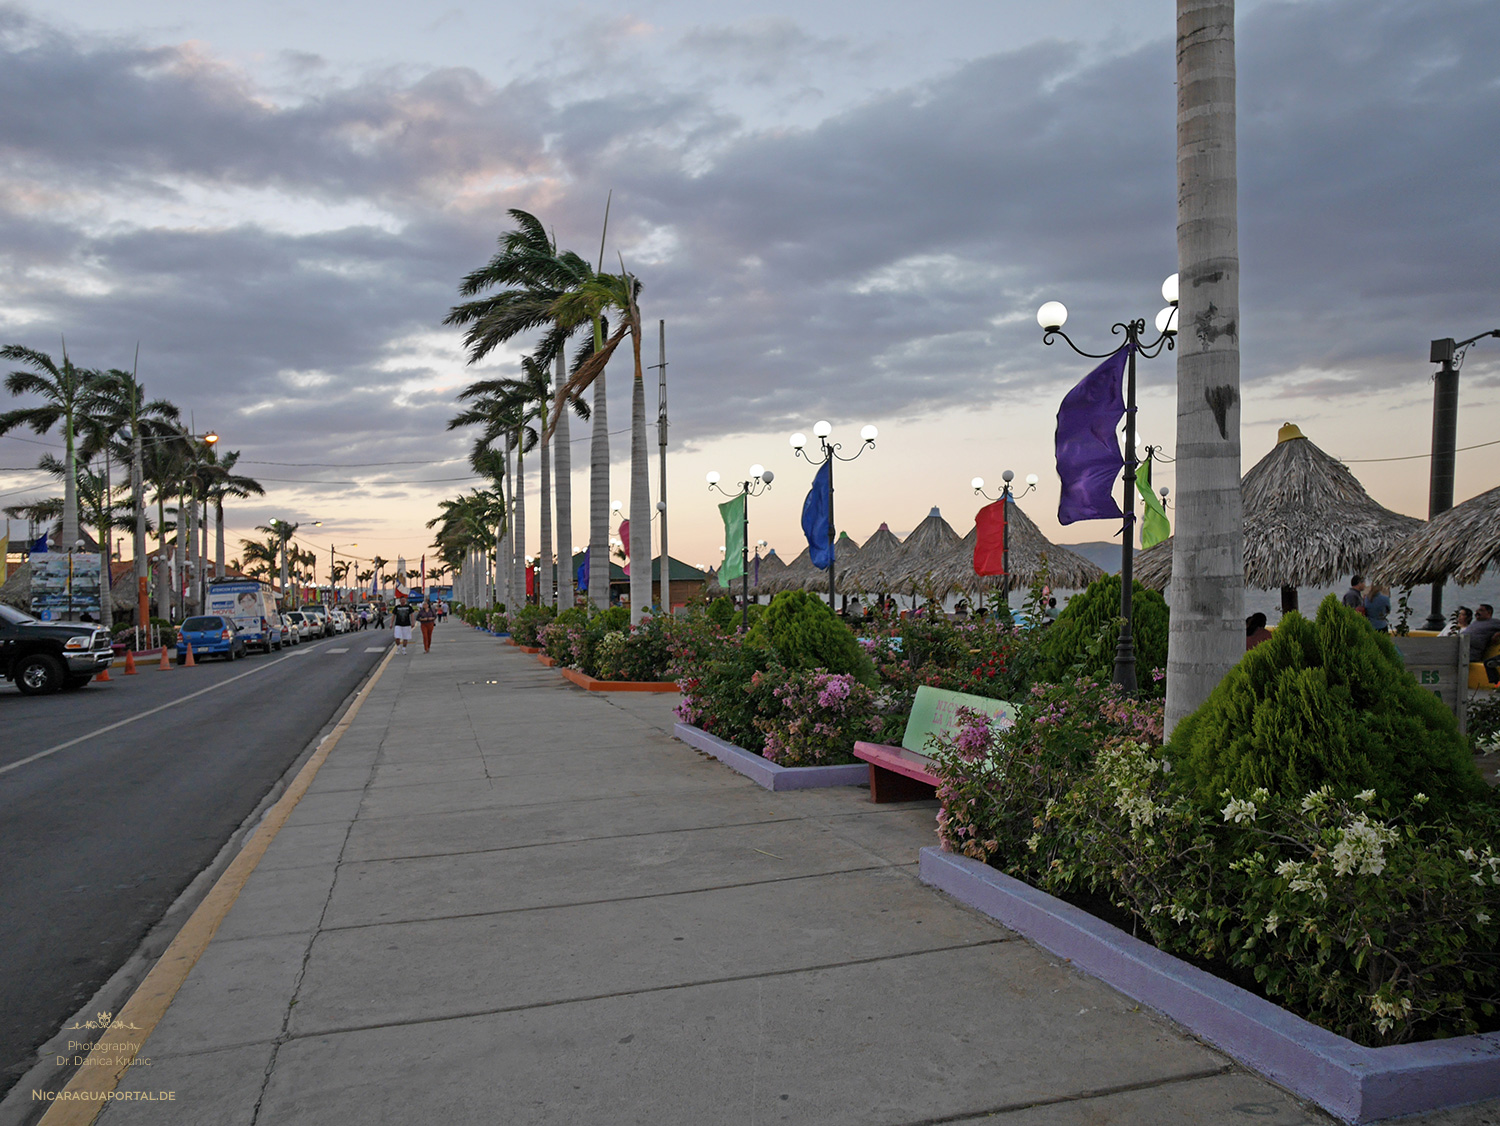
pixel 210 636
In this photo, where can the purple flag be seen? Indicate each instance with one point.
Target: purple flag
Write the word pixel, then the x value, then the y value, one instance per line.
pixel 1088 452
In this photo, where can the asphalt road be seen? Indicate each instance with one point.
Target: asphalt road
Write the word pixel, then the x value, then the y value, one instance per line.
pixel 98 838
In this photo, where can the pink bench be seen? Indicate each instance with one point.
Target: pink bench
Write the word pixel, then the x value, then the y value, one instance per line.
pixel 904 773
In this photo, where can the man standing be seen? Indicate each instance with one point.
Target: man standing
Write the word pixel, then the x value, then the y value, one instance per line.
pixel 427 618
pixel 1354 597
pixel 401 619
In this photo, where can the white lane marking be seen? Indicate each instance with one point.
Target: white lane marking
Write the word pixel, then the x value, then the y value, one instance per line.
pixel 376 649
pixel 142 715
pixel 338 650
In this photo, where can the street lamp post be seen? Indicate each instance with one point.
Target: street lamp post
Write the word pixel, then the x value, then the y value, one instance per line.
pixel 1052 316
pixel 758 484
pixel 830 454
pixel 1450 354
pixel 1008 494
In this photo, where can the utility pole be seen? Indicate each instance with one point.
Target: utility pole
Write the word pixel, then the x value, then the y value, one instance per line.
pixel 661 438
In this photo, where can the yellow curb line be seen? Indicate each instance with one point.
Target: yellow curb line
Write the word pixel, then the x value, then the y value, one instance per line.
pixel 93 1085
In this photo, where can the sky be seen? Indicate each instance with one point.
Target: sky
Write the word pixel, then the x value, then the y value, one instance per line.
pixel 837 214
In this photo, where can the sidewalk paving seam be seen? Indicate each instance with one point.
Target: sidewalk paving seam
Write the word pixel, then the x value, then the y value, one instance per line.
pixel 912 868
pixel 791 971
pixel 1082 1096
pixel 577 840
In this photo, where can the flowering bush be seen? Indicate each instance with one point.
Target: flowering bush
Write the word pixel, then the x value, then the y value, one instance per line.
pixel 730 692
pixel 1376 920
pixel 526 624
pixel 820 717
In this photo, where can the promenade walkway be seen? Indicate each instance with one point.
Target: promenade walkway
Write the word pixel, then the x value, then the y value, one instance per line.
pixel 506 900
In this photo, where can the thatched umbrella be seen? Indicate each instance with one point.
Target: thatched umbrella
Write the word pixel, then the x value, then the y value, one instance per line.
pixel 923 555
pixel 792 576
pixel 1306 522
pixel 1066 570
pixel 873 572
pixel 1460 544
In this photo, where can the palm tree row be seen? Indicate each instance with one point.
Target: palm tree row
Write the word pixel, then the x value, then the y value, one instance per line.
pixel 557 293
pixel 106 420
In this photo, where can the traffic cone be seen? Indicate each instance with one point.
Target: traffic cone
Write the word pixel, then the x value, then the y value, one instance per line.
pixel 102 675
pixel 129 662
pixel 190 663
pixel 165 661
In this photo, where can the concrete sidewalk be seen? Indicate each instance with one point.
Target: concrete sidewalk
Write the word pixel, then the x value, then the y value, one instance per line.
pixel 507 900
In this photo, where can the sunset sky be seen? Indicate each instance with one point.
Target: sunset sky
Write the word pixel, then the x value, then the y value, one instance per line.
pixel 838 214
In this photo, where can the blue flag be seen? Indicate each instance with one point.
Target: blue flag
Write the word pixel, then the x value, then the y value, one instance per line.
pixel 581 576
pixel 40 547
pixel 815 518
pixel 1088 452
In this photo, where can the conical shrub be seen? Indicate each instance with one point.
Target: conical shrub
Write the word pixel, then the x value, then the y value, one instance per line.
pixel 1325 702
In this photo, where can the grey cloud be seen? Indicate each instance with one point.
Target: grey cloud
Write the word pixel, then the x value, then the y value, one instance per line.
pixel 888 258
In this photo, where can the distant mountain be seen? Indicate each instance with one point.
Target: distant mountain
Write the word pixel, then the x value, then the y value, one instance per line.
pixel 1101 553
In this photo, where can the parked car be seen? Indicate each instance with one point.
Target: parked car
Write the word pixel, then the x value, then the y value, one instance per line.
pixel 340 621
pixel 291 634
pixel 305 626
pixel 42 657
pixel 318 616
pixel 210 635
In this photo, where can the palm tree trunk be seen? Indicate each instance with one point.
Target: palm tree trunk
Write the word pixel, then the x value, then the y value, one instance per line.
pixel 138 501
pixel 599 500
pixel 164 582
pixel 70 487
pixel 640 496
pixel 560 441
pixel 1208 576
pixel 544 566
pixel 190 595
pixel 106 532
pixel 219 537
pixel 179 579
pixel 518 541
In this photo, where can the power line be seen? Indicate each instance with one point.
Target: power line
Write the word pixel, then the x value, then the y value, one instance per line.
pixel 1414 457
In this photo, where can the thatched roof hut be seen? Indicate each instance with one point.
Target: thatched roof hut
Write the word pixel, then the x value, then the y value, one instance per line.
pixel 1066 570
pixel 873 572
pixel 923 555
pixel 1460 544
pixel 1307 521
pixel 802 575
pixel 792 576
pixel 772 566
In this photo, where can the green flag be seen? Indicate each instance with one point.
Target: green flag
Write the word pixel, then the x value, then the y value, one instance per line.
pixel 733 512
pixel 1154 524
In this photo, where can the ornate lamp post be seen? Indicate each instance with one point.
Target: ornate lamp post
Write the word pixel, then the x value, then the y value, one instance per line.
pixel 758 484
pixel 830 454
pixel 1052 316
pixel 1009 495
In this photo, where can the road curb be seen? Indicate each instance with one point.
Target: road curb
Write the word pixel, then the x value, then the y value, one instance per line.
pixel 93 1086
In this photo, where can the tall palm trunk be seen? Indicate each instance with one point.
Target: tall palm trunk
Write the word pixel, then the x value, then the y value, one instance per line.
pixel 518 541
pixel 164 581
pixel 599 500
pixel 1208 576
pixel 179 588
pixel 138 501
pixel 219 537
pixel 560 440
pixel 194 569
pixel 640 496
pixel 106 533
pixel 70 485
pixel 544 566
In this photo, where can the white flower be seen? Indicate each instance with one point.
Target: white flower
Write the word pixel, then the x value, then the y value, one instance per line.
pixel 1273 921
pixel 1419 799
pixel 1288 869
pixel 1033 841
pixel 1239 810
pixel 1468 854
pixel 1482 918
pixel 1366 796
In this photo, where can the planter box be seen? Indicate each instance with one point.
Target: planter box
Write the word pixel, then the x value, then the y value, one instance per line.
pixel 528 648
pixel 593 685
pixel 1352 1082
pixel 766 773
pixel 547 662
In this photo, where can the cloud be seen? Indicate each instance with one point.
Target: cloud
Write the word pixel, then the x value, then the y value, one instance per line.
pixel 887 259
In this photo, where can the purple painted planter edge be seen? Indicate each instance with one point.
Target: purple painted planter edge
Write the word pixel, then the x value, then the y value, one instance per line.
pixel 1355 1083
pixel 766 773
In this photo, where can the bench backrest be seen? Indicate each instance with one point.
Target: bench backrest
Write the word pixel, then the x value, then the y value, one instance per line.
pixel 935 712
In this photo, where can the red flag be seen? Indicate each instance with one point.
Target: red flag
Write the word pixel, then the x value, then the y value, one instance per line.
pixel 989 543
pixel 625 542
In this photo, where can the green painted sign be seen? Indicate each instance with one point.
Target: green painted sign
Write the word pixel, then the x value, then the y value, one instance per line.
pixel 935 712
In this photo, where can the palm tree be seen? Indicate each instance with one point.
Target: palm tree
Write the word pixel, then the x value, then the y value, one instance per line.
pixel 1208 584
pixel 590 300
pixel 531 275
pixel 163 461
pixel 69 393
pixel 222 483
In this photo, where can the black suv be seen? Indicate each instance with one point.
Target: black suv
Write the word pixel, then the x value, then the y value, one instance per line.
pixel 45 656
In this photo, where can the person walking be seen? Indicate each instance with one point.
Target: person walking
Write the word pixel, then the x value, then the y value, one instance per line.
pixel 1378 608
pixel 427 618
pixel 401 621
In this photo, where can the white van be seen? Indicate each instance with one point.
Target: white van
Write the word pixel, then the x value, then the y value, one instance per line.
pixel 252 605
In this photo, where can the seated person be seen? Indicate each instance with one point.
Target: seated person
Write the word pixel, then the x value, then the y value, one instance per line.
pixel 1482 632
pixel 1255 631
